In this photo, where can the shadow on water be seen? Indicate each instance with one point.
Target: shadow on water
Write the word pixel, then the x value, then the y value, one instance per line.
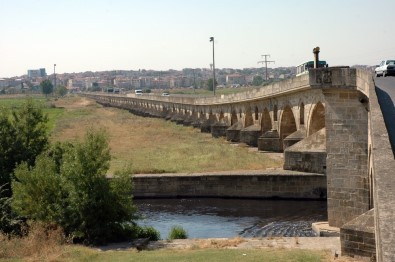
pixel 211 218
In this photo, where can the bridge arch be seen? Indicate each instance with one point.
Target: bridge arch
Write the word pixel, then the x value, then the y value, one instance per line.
pixel 221 116
pixel 275 112
pixel 248 121
pixel 317 119
pixel 287 123
pixel 202 115
pixel 301 113
pixel 256 113
pixel 266 122
pixel 233 118
pixel 212 116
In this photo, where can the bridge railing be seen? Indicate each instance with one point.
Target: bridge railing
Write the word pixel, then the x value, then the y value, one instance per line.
pixel 382 171
pixel 295 84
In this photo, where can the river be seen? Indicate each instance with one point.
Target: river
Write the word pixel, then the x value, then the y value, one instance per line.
pixel 217 218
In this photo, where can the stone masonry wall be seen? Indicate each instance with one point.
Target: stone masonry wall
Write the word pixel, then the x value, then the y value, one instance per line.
pixel 346 122
pixel 279 184
pixel 383 166
pixel 358 238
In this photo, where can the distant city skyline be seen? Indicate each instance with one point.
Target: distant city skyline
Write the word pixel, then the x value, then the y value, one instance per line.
pixel 103 35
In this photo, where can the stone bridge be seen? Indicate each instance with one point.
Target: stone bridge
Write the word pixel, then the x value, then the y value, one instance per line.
pixel 327 122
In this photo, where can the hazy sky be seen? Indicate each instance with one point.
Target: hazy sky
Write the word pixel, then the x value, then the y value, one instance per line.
pixel 96 35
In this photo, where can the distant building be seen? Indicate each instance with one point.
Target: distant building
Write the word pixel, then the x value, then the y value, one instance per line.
pixel 235 79
pixel 4 83
pixel 33 73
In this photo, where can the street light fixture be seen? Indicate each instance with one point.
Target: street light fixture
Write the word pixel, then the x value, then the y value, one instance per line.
pixel 212 40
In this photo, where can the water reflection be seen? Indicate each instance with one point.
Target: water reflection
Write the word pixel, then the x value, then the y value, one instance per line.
pixel 206 218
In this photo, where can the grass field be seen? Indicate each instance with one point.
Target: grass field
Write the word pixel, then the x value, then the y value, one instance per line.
pixel 150 145
pixel 17 101
pixel 80 253
pixel 211 255
pixel 146 145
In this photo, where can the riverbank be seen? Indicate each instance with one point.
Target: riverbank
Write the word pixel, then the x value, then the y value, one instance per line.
pixel 331 245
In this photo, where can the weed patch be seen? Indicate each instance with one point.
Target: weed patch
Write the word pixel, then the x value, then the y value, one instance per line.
pixel 40 243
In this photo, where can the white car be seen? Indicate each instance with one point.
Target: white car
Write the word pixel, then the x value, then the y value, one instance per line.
pixel 386 68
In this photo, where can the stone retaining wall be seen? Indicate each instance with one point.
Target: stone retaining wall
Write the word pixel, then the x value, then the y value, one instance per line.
pixel 358 238
pixel 287 185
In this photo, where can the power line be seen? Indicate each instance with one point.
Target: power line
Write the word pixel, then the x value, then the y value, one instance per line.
pixel 266 61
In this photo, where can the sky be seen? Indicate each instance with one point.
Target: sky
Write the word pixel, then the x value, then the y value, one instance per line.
pixel 99 35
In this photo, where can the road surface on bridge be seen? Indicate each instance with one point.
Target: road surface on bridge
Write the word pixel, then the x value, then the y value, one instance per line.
pixel 385 89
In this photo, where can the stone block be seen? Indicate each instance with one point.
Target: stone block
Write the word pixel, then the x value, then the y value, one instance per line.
pixel 233 132
pixel 250 135
pixel 219 130
pixel 270 141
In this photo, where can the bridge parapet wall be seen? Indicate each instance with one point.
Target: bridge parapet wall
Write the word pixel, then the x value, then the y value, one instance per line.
pixel 382 168
pixel 295 84
pixel 333 78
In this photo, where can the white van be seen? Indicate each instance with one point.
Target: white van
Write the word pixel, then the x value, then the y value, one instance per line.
pixel 138 92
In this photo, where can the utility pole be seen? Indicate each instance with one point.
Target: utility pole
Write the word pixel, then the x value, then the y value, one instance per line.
pixel 194 81
pixel 266 61
pixel 212 40
pixel 54 76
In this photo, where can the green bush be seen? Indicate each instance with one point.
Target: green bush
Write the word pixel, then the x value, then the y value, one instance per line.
pixel 177 232
pixel 148 232
pixel 68 187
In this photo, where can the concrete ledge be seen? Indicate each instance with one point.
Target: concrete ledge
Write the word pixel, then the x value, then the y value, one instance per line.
pixel 323 229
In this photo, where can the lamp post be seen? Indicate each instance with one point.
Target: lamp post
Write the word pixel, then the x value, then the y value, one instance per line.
pixel 212 40
pixel 54 76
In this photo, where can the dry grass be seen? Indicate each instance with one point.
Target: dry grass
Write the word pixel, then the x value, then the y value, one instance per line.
pixel 40 244
pixel 151 145
pixel 43 244
pixel 218 243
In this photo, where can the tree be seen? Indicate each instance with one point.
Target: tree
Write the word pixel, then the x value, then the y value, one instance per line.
pixel 95 87
pixel 46 87
pixel 38 191
pixel 61 91
pixel 68 187
pixel 210 84
pixel 7 152
pixel 23 137
pixel 257 81
pixel 30 124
